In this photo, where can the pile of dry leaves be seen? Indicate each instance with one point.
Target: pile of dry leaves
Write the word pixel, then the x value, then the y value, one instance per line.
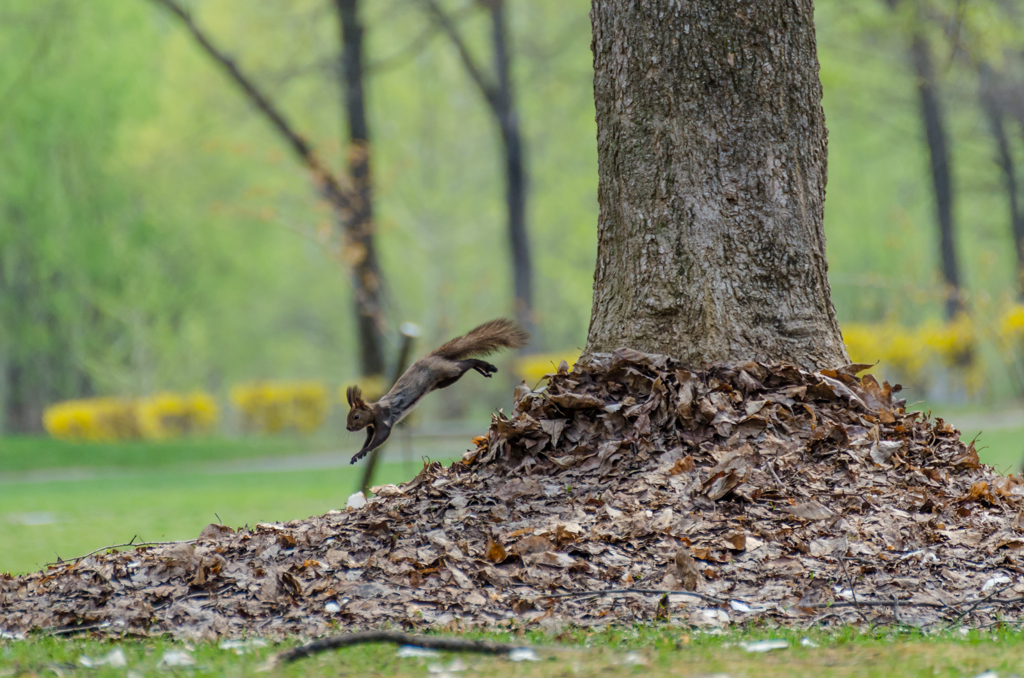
pixel 750 491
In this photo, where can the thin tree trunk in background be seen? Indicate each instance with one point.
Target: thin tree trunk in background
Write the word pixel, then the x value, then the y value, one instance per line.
pixel 711 162
pixel 515 171
pixel 992 106
pixel 360 226
pixel 938 152
pixel 500 98
pixel 367 279
pixel 15 406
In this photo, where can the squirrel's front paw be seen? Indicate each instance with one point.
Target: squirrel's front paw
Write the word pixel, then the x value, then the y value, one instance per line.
pixel 357 456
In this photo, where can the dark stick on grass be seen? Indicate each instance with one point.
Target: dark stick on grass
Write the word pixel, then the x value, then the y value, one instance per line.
pixel 395 638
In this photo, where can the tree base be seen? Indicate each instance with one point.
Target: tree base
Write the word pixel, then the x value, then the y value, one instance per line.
pixel 749 491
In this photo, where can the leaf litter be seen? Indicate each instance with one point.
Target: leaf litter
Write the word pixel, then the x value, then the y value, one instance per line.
pixel 630 488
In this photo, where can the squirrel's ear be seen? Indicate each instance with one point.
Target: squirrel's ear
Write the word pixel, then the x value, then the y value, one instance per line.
pixel 348 395
pixel 355 396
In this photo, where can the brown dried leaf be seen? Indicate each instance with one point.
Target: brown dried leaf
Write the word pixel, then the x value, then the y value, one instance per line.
pixel 811 510
pixel 495 552
pixel 684 465
pixel 213 531
pixel 737 542
pixel 687 571
pixel 534 544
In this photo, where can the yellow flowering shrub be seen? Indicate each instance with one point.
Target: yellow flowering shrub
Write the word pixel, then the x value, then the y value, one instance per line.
pixel 170 415
pixel 93 419
pixel 165 415
pixel 535 367
pixel 274 406
pixel 862 343
pixel 952 341
pixel 912 352
pixel 1011 325
pixel 889 343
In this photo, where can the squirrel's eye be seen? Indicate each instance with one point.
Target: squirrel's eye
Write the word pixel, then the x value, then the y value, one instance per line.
pixel 356 417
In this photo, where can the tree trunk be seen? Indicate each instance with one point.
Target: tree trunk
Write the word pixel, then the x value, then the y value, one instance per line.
pixel 515 171
pixel 711 161
pixel 360 226
pixel 991 104
pixel 938 152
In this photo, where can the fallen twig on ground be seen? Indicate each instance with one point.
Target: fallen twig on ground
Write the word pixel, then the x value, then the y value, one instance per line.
pixel 395 638
pixel 105 549
pixel 660 592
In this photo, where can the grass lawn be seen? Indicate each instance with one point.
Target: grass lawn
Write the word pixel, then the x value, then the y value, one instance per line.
pixel 23 453
pixel 1003 448
pixel 39 521
pixel 653 650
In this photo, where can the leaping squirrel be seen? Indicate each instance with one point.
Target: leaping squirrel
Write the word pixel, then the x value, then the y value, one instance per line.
pixel 442 368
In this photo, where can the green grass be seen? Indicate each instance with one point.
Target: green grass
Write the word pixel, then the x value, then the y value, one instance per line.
pixel 39 521
pixel 651 650
pixel 1003 448
pixel 18 454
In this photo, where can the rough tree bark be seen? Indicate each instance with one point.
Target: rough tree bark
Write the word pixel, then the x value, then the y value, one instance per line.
pixel 500 98
pixel 938 152
pixel 349 205
pixel 359 226
pixel 711 161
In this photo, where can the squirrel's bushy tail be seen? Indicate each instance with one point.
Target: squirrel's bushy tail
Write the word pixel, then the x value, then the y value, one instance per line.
pixel 485 339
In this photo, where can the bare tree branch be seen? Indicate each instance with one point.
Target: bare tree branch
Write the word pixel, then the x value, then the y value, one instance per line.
pixel 351 200
pixel 329 184
pixel 489 91
pixel 500 97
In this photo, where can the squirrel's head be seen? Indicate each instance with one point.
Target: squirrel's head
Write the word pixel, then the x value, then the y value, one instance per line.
pixel 360 416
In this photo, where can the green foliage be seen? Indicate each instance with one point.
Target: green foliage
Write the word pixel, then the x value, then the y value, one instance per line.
pixel 64 95
pixel 155 233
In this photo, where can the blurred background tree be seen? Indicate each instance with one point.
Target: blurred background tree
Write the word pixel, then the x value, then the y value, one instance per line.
pixel 156 233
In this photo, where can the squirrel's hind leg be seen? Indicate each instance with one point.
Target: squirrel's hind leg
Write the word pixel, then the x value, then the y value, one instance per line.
pixel 483 367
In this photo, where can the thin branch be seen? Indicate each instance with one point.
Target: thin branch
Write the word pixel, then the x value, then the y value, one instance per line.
pixel 954 34
pixel 402 56
pixel 979 602
pixel 832 604
pixel 853 590
pixel 605 592
pixel 489 91
pixel 413 49
pixel 329 183
pixel 78 629
pixel 427 642
pixel 62 561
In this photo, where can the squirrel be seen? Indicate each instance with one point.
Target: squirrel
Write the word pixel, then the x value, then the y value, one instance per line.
pixel 440 369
